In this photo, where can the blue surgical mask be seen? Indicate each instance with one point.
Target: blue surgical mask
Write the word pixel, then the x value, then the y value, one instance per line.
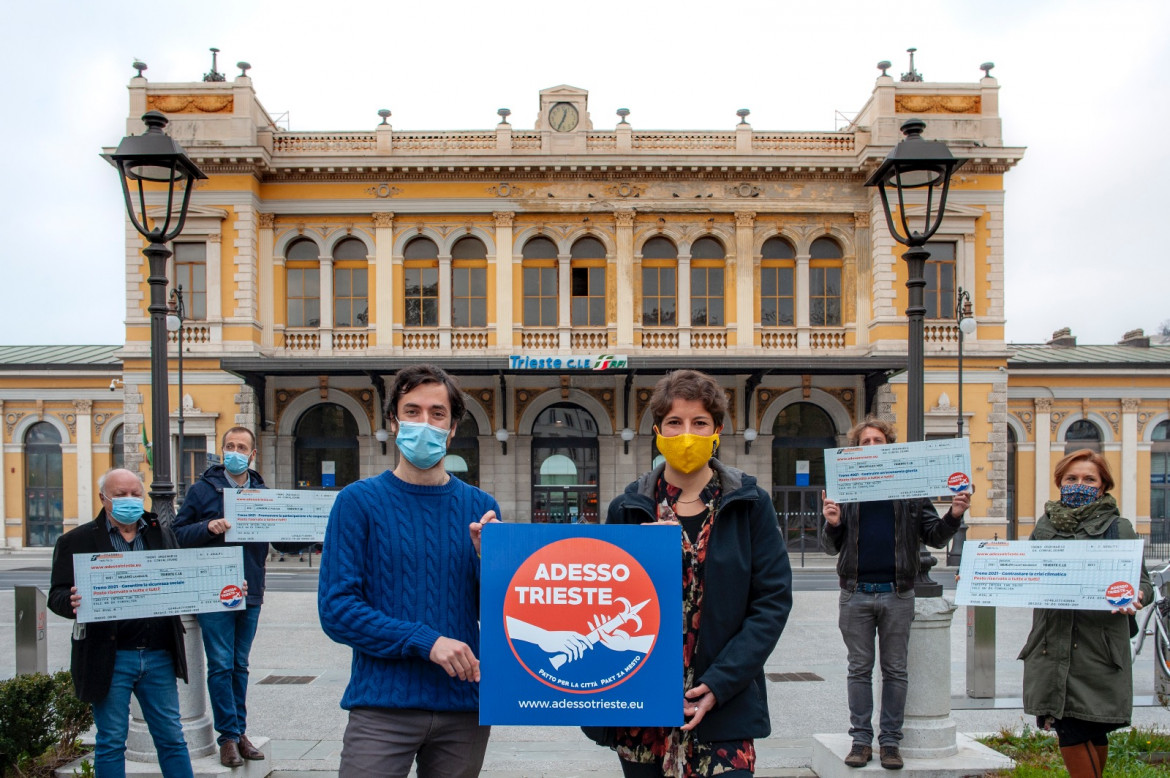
pixel 235 462
pixel 421 444
pixel 126 510
pixel 1076 495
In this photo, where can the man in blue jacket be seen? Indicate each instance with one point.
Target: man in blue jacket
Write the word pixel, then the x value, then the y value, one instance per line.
pixel 227 636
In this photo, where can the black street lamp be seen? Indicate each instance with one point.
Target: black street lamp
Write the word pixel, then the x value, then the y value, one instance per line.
pixel 176 315
pixel 916 164
pixel 155 158
pixel 966 322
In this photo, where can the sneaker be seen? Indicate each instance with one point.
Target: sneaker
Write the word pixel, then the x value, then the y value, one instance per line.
pixel 859 756
pixel 891 759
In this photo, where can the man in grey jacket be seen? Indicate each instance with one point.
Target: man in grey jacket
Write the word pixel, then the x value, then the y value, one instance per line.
pixel 878 546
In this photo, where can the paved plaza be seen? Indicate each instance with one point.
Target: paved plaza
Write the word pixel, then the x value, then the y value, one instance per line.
pixel 306 725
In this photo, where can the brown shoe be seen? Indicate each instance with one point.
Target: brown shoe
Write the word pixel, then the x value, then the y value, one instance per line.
pixel 859 756
pixel 249 751
pixel 891 759
pixel 229 754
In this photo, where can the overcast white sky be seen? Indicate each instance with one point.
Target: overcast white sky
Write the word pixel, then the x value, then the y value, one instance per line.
pixel 1083 87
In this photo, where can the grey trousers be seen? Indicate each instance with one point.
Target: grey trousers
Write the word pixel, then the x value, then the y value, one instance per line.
pixel 886 616
pixel 385 742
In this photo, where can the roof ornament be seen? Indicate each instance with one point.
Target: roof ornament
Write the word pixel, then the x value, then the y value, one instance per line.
pixel 986 68
pixel 214 75
pixel 140 66
pixel 883 66
pixel 913 75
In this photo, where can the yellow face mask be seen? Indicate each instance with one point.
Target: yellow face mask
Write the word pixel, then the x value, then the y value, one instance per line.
pixel 687 453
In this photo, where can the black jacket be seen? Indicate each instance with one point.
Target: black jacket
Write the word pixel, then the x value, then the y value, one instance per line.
pixel 202 504
pixel 914 520
pixel 747 596
pixel 95 645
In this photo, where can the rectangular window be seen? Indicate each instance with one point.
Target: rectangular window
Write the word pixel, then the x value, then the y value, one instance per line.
pixel 191 274
pixel 777 296
pixel 304 295
pixel 658 295
pixel 707 296
pixel 192 461
pixel 421 308
pixel 824 303
pixel 469 295
pixel 351 307
pixel 588 295
pixel 540 296
pixel 940 281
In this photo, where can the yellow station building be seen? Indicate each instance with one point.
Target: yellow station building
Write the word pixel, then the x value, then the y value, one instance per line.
pixel 559 270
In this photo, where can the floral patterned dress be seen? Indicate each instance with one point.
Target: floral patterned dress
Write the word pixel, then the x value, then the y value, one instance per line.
pixel 680 754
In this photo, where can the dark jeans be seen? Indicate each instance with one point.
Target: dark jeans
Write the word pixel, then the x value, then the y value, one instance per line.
pixel 886 615
pixel 227 641
pixel 384 743
pixel 149 676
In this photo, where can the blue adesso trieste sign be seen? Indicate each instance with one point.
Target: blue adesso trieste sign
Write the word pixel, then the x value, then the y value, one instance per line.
pixel 570 362
pixel 581 625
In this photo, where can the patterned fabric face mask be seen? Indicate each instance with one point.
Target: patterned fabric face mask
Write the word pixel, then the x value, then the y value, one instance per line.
pixel 1077 495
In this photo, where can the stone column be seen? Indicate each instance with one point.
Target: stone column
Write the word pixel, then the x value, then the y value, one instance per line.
pixel 625 313
pixel 383 302
pixel 326 291
pixel 504 312
pixel 682 304
pixel 745 266
pixel 1129 464
pixel 801 292
pixel 267 291
pixel 197 727
pixel 214 283
pixel 564 300
pixel 83 413
pixel 929 731
pixel 1043 424
pixel 445 303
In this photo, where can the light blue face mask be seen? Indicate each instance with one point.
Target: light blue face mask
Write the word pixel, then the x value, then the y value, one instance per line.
pixel 235 462
pixel 421 444
pixel 126 510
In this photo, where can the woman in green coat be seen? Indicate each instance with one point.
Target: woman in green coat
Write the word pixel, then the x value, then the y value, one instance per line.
pixel 1078 678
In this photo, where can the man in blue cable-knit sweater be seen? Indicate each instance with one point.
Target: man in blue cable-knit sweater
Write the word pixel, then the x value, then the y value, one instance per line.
pixel 399 584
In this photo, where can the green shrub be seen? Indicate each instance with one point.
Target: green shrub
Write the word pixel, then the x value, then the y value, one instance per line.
pixel 39 713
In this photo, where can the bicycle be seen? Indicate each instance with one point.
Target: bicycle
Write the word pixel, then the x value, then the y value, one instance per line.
pixel 1157 612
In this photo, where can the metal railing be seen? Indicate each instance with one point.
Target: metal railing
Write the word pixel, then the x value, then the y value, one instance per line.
pixel 798 510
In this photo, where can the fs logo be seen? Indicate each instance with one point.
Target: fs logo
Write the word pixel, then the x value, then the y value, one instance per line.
pixel 581 615
pixel 608 361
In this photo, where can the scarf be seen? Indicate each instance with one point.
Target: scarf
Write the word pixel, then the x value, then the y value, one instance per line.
pixel 1066 519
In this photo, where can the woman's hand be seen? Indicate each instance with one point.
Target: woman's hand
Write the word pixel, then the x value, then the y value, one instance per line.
pixel 696 703
pixel 1129 610
pixel 830 510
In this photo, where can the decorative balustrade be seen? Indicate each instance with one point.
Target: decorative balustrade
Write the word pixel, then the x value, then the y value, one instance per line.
pixel 601 141
pixel 463 340
pixel 708 339
pixel 347 340
pixel 420 341
pixel 659 339
pixel 418 142
pixel 826 339
pixel 302 340
pixel 324 143
pixel 193 333
pixel 525 141
pixel 778 339
pixel 706 141
pixel 940 333
pixel 590 340
pixel 811 141
pixel 540 339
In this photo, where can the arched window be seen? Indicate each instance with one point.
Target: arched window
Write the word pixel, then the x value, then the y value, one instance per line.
pixel 326 448
pixel 462 458
pixel 824 287
pixel 659 283
pixel 302 273
pixel 587 275
pixel 118 447
pixel 1160 484
pixel 800 433
pixel 43 485
pixel 468 283
pixel 421 287
pixel 564 465
pixel 707 262
pixel 540 283
pixel 940 281
pixel 1082 434
pixel 351 305
pixel 777 283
